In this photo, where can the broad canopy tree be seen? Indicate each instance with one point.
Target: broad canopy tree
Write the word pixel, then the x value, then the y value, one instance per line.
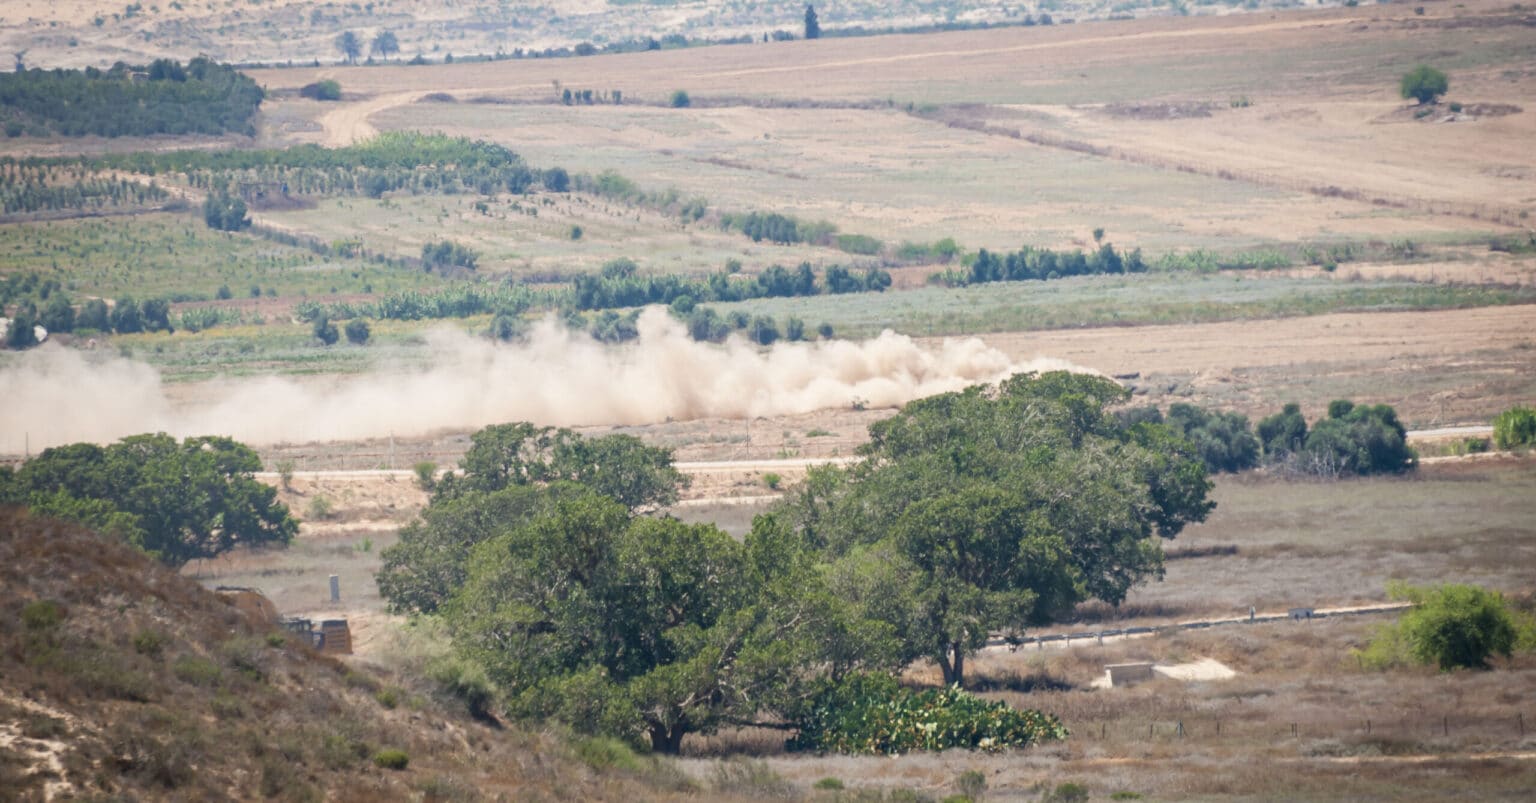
pixel 350 45
pixel 507 478
pixel 980 512
pixel 385 44
pixel 1003 507
pixel 176 501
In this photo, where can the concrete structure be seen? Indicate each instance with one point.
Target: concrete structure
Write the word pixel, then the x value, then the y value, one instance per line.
pixel 1127 674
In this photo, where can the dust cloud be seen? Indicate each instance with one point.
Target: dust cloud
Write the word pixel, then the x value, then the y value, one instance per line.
pixel 54 395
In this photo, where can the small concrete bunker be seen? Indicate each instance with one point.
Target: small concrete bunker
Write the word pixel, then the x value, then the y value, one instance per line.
pixel 1128 674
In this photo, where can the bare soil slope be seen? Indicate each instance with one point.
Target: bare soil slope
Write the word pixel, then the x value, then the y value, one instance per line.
pixel 119 677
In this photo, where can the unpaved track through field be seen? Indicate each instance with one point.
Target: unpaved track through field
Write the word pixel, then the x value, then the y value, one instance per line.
pixel 349 124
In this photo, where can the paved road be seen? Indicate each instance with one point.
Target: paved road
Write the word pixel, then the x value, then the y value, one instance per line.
pixel 1084 637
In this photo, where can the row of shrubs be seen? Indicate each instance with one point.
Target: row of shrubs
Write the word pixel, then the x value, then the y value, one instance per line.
pixel 32 190
pixel 1029 263
pixel 619 285
pixel 126 316
pixel 1351 440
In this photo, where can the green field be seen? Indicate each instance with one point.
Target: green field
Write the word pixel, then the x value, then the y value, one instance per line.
pixel 1152 298
pixel 177 256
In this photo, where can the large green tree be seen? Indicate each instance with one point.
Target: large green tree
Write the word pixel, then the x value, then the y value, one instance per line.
pixel 1357 439
pixel 639 476
pixel 385 44
pixel 585 611
pixel 350 45
pixel 974 513
pixel 628 625
pixel 997 508
pixel 509 476
pixel 176 501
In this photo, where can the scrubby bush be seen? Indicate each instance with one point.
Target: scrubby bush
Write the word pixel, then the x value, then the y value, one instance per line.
pixel 358 331
pixel 972 784
pixel 325 331
pixel 319 508
pixel 391 759
pixel 42 614
pixel 149 642
pixel 448 254
pixel 468 682
pixel 1225 441
pixel 872 713
pixel 196 670
pixel 749 778
pixel 680 100
pixel 1424 84
pixel 326 89
pixel 764 330
pixel 1515 427
pixel 426 475
pixel 1352 440
pixel 1363 439
pixel 22 332
pixel 1283 433
pixel 1452 626
pixel 225 212
pixel 1068 792
pixel 605 753
pixel 389 697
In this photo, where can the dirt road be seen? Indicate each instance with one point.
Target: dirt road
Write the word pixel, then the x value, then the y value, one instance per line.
pixel 348 123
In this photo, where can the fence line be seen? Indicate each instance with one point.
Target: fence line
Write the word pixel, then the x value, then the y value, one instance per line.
pixel 1117 634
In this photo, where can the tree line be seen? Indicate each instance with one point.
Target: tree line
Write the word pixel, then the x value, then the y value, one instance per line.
pixel 1038 264
pixel 44 188
pixel 619 284
pixel 548 561
pixel 1352 440
pixel 166 97
pixel 397 160
pixel 458 301
pixel 32 300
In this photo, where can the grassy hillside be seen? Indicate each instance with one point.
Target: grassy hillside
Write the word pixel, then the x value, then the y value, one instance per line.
pixel 121 678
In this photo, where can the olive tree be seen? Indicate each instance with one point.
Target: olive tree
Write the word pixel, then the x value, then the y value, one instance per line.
pixel 1424 84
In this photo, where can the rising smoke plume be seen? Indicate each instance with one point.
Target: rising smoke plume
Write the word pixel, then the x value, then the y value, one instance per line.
pixel 560 378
